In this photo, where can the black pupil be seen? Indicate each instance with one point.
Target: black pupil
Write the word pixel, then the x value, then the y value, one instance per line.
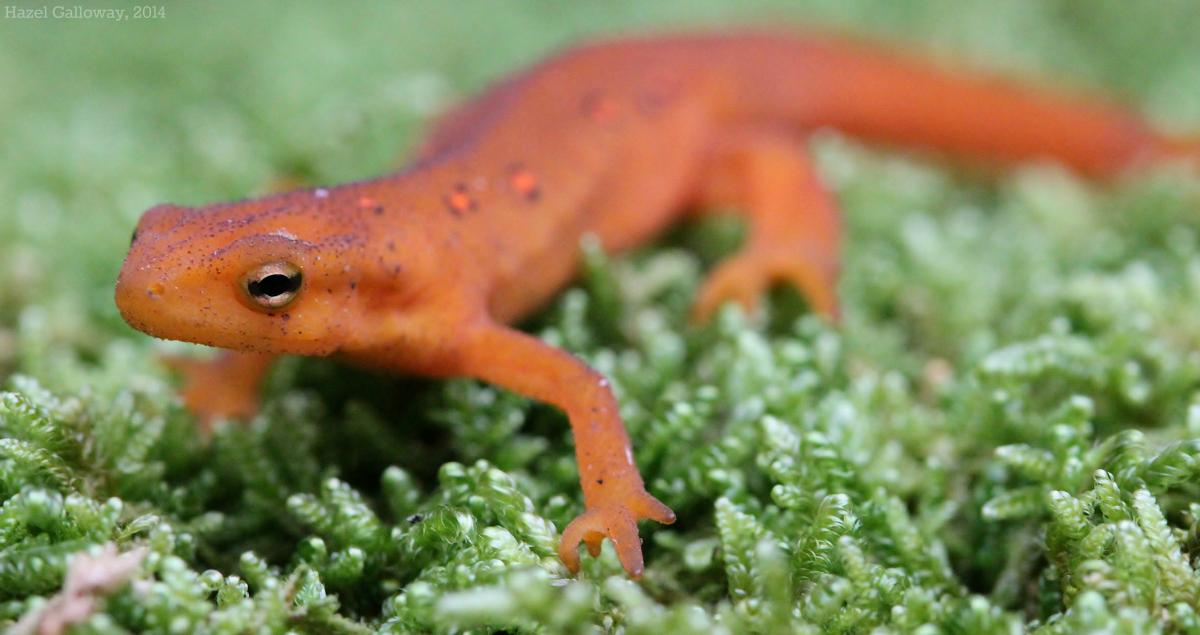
pixel 274 285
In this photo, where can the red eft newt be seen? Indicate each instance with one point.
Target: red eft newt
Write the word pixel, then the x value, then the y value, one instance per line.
pixel 421 271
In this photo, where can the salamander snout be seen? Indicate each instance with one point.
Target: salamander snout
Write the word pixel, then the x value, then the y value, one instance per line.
pixel 143 282
pixel 139 289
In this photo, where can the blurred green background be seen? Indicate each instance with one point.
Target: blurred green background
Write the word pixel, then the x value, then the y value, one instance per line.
pixel 100 120
pixel 1007 336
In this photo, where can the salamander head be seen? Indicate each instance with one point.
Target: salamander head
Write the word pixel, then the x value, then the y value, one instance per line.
pixel 271 275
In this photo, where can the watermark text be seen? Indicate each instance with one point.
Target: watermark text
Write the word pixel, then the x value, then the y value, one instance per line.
pixel 80 12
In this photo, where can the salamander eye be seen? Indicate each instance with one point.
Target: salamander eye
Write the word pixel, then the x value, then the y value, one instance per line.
pixel 273 285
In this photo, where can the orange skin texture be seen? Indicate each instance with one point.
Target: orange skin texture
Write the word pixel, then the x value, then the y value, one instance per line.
pixel 420 271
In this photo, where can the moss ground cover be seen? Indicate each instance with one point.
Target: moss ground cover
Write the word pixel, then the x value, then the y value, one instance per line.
pixel 1004 435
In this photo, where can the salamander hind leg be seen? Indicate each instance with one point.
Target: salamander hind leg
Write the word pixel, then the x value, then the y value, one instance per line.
pixel 794 225
pixel 225 387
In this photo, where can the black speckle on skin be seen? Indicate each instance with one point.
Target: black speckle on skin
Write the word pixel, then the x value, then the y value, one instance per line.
pixel 286 316
pixel 353 286
pixel 599 481
pixel 651 102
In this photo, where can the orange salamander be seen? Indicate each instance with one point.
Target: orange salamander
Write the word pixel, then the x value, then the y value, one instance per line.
pixel 420 271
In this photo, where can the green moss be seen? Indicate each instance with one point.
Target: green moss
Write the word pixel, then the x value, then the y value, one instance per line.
pixel 1003 435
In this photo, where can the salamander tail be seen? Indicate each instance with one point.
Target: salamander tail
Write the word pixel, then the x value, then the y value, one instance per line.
pixel 1180 149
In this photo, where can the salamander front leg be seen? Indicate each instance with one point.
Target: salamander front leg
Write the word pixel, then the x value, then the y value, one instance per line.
pixel 613 493
pixel 225 387
pixel 794 231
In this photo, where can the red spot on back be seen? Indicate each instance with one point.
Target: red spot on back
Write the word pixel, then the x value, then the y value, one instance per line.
pixel 366 202
pixel 600 108
pixel 524 182
pixel 460 201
